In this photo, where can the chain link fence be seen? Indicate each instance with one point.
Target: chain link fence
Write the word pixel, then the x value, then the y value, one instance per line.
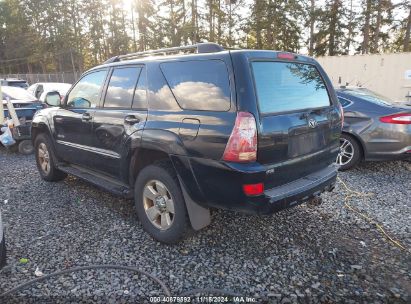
pixel 69 77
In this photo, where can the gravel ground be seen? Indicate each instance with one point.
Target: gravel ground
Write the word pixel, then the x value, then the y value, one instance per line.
pixel 307 254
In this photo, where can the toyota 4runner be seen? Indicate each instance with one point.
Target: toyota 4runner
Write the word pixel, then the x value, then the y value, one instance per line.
pixel 182 130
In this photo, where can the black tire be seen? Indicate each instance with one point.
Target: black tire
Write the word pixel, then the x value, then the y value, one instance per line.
pixel 180 226
pixel 356 150
pixel 53 174
pixel 25 147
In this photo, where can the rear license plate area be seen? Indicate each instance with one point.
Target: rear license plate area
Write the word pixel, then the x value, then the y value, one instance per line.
pixel 306 143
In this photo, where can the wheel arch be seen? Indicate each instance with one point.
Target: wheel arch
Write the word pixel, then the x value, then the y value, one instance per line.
pixel 37 128
pixel 359 142
pixel 199 216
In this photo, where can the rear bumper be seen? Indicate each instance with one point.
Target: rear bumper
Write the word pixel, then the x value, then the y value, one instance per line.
pixel 219 185
pixel 301 190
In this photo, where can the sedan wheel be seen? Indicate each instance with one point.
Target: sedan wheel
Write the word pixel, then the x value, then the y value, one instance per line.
pixel 346 152
pixel 350 152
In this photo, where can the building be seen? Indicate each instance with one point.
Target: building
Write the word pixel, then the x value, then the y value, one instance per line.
pixel 386 74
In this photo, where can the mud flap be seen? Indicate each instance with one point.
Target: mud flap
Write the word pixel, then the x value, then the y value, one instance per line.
pixel 200 217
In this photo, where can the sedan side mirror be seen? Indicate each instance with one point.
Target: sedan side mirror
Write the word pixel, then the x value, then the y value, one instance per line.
pixel 53 99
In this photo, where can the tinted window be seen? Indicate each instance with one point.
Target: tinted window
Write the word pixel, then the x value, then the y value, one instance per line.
pixel 285 86
pixel 159 93
pixel 344 102
pixel 199 85
pixel 86 92
pixel 140 95
pixel 121 87
pixel 19 84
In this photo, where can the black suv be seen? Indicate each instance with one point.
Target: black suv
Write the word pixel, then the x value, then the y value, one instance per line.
pixel 246 130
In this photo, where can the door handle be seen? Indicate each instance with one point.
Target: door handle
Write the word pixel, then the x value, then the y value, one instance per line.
pixel 86 117
pixel 131 119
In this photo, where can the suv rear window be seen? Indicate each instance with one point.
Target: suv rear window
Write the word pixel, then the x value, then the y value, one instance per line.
pixel 199 85
pixel 286 86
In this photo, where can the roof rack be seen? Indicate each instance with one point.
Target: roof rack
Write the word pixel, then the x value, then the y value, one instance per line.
pixel 206 47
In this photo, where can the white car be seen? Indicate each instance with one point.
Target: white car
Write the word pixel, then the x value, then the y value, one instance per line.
pixel 40 89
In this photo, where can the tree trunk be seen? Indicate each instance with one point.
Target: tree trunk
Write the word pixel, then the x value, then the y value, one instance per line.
pixel 333 23
pixel 211 19
pixel 376 37
pixel 312 24
pixel 350 30
pixel 141 27
pixel 194 21
pixel 133 27
pixel 258 29
pixel 366 32
pixel 271 19
pixel 407 33
pixel 219 20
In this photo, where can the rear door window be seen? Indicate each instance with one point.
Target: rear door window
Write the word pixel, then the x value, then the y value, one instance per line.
pixel 121 87
pixel 140 94
pixel 199 85
pixel 285 86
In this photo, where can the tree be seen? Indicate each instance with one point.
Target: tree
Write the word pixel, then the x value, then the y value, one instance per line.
pixel 407 42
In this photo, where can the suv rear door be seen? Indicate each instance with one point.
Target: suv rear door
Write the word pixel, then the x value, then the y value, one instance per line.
pixel 120 119
pixel 299 123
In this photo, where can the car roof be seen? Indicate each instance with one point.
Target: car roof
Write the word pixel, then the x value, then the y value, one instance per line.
pixel 212 55
pixel 17 92
pixel 52 83
pixel 14 80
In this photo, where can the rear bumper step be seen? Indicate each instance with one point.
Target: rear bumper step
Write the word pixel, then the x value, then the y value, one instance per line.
pixel 302 185
pixel 301 190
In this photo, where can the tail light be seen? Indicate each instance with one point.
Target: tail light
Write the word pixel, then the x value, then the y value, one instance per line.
pixel 342 115
pixel 402 119
pixel 253 189
pixel 242 144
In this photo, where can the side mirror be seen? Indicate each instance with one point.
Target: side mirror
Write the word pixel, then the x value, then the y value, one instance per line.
pixel 53 99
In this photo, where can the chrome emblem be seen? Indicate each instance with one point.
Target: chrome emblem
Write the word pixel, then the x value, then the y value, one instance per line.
pixel 312 123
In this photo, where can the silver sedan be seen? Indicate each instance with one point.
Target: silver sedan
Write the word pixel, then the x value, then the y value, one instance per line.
pixel 374 128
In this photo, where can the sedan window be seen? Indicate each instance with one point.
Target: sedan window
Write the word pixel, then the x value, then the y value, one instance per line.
pixel 344 102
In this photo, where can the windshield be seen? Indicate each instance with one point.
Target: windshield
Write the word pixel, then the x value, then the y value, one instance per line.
pixel 369 96
pixel 284 86
pixel 19 84
pixel 15 93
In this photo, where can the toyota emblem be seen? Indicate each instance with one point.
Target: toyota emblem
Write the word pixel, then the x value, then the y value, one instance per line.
pixel 312 123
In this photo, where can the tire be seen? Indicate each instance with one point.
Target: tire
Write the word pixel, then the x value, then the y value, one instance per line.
pixel 49 172
pixel 25 147
pixel 349 155
pixel 176 225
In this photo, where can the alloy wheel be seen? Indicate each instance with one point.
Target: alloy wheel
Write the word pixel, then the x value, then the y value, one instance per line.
pixel 44 158
pixel 158 204
pixel 346 153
